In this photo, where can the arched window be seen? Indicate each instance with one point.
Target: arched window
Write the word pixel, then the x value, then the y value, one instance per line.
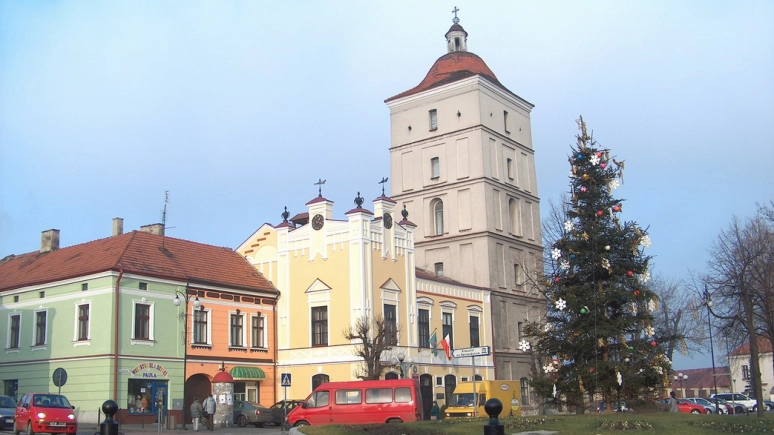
pixel 525 391
pixel 319 379
pixel 390 375
pixel 436 210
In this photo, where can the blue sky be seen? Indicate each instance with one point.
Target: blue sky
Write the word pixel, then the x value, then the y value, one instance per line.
pixel 237 108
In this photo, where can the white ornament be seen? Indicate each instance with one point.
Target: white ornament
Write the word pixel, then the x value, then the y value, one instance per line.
pixel 568 226
pixel 650 331
pixel 594 160
pixel 645 241
pixel 524 345
pixel 651 305
pixel 645 277
pixel 547 327
pixel 549 368
pixel 564 264
pixel 605 263
pixel 554 390
pixel 660 370
pixel 561 304
pixel 614 184
pixel 556 253
pixel 618 377
pixel 607 247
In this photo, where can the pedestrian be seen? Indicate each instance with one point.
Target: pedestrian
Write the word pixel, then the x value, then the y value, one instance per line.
pixel 673 402
pixel 435 411
pixel 196 413
pixel 209 411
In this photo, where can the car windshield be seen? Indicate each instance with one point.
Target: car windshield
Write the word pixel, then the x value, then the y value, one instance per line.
pixel 7 402
pixel 51 401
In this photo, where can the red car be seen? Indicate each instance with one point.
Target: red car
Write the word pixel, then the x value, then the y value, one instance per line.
pixel 45 412
pixel 683 406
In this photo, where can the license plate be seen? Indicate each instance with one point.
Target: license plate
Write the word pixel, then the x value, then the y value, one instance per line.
pixel 57 423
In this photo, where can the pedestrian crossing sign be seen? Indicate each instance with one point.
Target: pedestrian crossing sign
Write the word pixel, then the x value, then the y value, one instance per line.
pixel 285 377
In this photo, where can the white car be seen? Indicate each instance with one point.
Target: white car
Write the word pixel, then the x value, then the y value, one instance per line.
pixel 749 403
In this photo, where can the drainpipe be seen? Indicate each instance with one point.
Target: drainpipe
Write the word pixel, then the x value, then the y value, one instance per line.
pixel 115 335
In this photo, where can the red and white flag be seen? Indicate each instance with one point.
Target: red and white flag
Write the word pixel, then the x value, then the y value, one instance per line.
pixel 446 344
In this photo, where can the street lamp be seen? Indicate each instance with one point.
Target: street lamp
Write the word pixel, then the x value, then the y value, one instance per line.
pixel 680 377
pixel 404 364
pixel 196 303
pixel 708 303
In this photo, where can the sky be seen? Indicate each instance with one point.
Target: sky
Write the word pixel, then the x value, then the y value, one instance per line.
pixel 236 109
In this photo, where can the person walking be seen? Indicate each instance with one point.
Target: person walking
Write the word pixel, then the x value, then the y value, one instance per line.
pixel 435 411
pixel 209 411
pixel 673 402
pixel 196 413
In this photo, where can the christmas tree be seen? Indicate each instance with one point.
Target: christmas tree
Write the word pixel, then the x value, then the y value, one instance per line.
pixel 597 342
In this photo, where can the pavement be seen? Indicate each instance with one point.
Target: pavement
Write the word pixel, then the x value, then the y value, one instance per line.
pixel 152 428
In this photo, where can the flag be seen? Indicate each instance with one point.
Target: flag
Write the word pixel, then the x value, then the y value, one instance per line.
pixel 434 344
pixel 446 344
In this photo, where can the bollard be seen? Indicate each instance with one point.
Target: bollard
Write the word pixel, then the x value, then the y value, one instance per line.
pixel 109 426
pixel 493 407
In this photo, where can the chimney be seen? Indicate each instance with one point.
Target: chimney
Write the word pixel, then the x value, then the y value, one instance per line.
pixel 118 226
pixel 49 241
pixel 157 229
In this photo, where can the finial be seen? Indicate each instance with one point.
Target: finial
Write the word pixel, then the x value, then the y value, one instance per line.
pixel 404 212
pixel 285 215
pixel 359 200
pixel 455 10
pixel 320 182
pixel 384 180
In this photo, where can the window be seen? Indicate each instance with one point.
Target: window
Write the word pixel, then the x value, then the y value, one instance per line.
pixel 257 330
pixel 319 326
pixel 447 328
pixel 143 286
pixel 437 213
pixel 84 286
pixel 516 275
pixel 439 381
pixel 402 395
pixel 349 397
pixel 513 214
pixel 200 327
pixel 319 399
pixel 524 391
pixel 142 322
pixel 505 120
pixel 83 322
pixel 745 372
pixel 435 168
pixel 237 330
pixel 378 395
pixel 509 167
pixel 423 320
pixel 518 331
pixel 42 295
pixel 14 330
pixel 433 120
pixel 390 325
pixel 474 336
pixel 319 379
pixel 438 269
pixel 40 328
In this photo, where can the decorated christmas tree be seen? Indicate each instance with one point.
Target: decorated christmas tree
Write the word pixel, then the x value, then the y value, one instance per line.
pixel 597 342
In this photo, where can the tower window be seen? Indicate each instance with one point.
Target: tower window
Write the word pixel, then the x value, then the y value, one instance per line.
pixel 457 44
pixel 435 167
pixel 509 167
pixel 438 269
pixel 505 120
pixel 433 120
pixel 436 208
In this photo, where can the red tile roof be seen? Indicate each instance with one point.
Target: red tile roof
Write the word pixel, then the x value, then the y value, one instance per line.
pixel 139 253
pixel 764 346
pixel 702 378
pixel 451 67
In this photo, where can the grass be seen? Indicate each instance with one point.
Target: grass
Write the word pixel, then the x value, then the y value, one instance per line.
pixel 657 423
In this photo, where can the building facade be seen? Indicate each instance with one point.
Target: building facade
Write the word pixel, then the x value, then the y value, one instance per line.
pixel 139 318
pixel 462 162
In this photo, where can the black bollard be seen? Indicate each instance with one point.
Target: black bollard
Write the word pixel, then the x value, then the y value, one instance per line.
pixel 109 426
pixel 493 407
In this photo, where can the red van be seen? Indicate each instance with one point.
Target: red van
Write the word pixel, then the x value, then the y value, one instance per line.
pixel 360 402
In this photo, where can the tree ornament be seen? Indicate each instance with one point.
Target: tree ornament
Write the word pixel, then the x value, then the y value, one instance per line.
pixel 564 264
pixel 602 165
pixel 607 247
pixel 556 279
pixel 585 177
pixel 580 156
pixel 556 253
pixel 631 348
pixel 626 360
pixel 629 273
pixel 645 277
pixel 614 184
pixel 618 377
pixel 524 345
pixel 584 309
pixel 583 189
pixel 636 292
pixel 561 304
pixel 599 154
pixel 600 213
pixel 653 343
pixel 568 226
pixel 645 241
pixel 616 208
pixel 594 160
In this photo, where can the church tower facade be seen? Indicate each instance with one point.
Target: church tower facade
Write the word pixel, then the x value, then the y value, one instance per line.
pixel 462 163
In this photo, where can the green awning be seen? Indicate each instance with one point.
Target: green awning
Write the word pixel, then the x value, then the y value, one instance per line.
pixel 241 372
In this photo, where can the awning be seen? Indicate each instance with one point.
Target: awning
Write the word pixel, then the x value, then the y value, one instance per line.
pixel 241 372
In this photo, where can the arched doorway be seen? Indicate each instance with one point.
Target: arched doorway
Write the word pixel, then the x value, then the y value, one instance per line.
pixel 449 384
pixel 198 385
pixel 390 375
pixel 426 390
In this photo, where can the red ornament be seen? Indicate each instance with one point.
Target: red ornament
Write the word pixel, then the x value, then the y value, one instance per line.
pixel 602 165
pixel 616 208
pixel 653 343
pixel 630 273
pixel 636 292
pixel 600 213
pixel 556 279
pixel 599 154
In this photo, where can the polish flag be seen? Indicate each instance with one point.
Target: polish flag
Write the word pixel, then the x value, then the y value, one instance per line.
pixel 446 344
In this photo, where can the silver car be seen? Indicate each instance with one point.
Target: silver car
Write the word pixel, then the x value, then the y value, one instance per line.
pixel 708 405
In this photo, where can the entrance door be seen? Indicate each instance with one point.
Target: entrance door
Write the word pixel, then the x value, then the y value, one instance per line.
pixel 449 383
pixel 426 390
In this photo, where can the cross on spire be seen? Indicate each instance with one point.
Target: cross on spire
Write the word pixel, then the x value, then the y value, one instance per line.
pixel 320 182
pixel 455 10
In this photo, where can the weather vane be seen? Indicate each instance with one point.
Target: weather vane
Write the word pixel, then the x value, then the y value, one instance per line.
pixel 384 180
pixel 320 182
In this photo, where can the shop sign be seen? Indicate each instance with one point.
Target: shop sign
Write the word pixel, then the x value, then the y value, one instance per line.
pixel 149 370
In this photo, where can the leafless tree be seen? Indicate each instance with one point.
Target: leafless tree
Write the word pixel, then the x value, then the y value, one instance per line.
pixel 678 316
pixel 371 339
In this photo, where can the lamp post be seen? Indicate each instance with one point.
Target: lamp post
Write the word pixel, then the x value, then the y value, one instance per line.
pixel 404 364
pixel 679 377
pixel 196 303
pixel 708 303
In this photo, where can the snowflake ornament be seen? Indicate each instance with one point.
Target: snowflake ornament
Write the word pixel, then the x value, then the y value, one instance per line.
pixel 645 241
pixel 618 377
pixel 556 253
pixel 650 331
pixel 568 226
pixel 524 345
pixel 549 368
pixel 605 263
pixel 614 184
pixel 651 305
pixel 564 264
pixel 561 304
pixel 645 277
pixel 594 160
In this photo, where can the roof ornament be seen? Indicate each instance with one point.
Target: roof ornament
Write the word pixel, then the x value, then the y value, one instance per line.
pixel 384 180
pixel 404 212
pixel 359 200
pixel 455 10
pixel 320 182
pixel 285 214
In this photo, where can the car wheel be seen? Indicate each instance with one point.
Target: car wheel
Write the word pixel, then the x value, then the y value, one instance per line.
pixel 394 420
pixel 241 420
pixel 30 431
pixel 301 423
pixel 16 430
pixel 740 410
pixel 768 407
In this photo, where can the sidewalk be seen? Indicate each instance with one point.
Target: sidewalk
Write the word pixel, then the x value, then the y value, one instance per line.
pixel 151 428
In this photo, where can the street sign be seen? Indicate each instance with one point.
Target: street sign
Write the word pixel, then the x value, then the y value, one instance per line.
pixel 471 351
pixel 285 377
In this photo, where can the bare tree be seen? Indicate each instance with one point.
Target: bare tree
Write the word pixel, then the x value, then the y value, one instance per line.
pixel 371 339
pixel 678 316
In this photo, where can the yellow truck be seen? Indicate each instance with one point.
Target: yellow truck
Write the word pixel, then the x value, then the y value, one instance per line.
pixel 464 396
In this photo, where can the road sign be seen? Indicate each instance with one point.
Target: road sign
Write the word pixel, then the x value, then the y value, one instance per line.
pixel 471 351
pixel 285 377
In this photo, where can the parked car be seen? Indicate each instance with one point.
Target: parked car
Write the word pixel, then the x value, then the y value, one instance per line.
pixel 282 408
pixel 7 412
pixel 602 406
pixel 252 413
pixel 45 412
pixel 733 408
pixel 768 404
pixel 742 399
pixel 683 406
pixel 708 405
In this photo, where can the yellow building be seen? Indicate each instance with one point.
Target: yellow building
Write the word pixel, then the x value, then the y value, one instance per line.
pixel 331 272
